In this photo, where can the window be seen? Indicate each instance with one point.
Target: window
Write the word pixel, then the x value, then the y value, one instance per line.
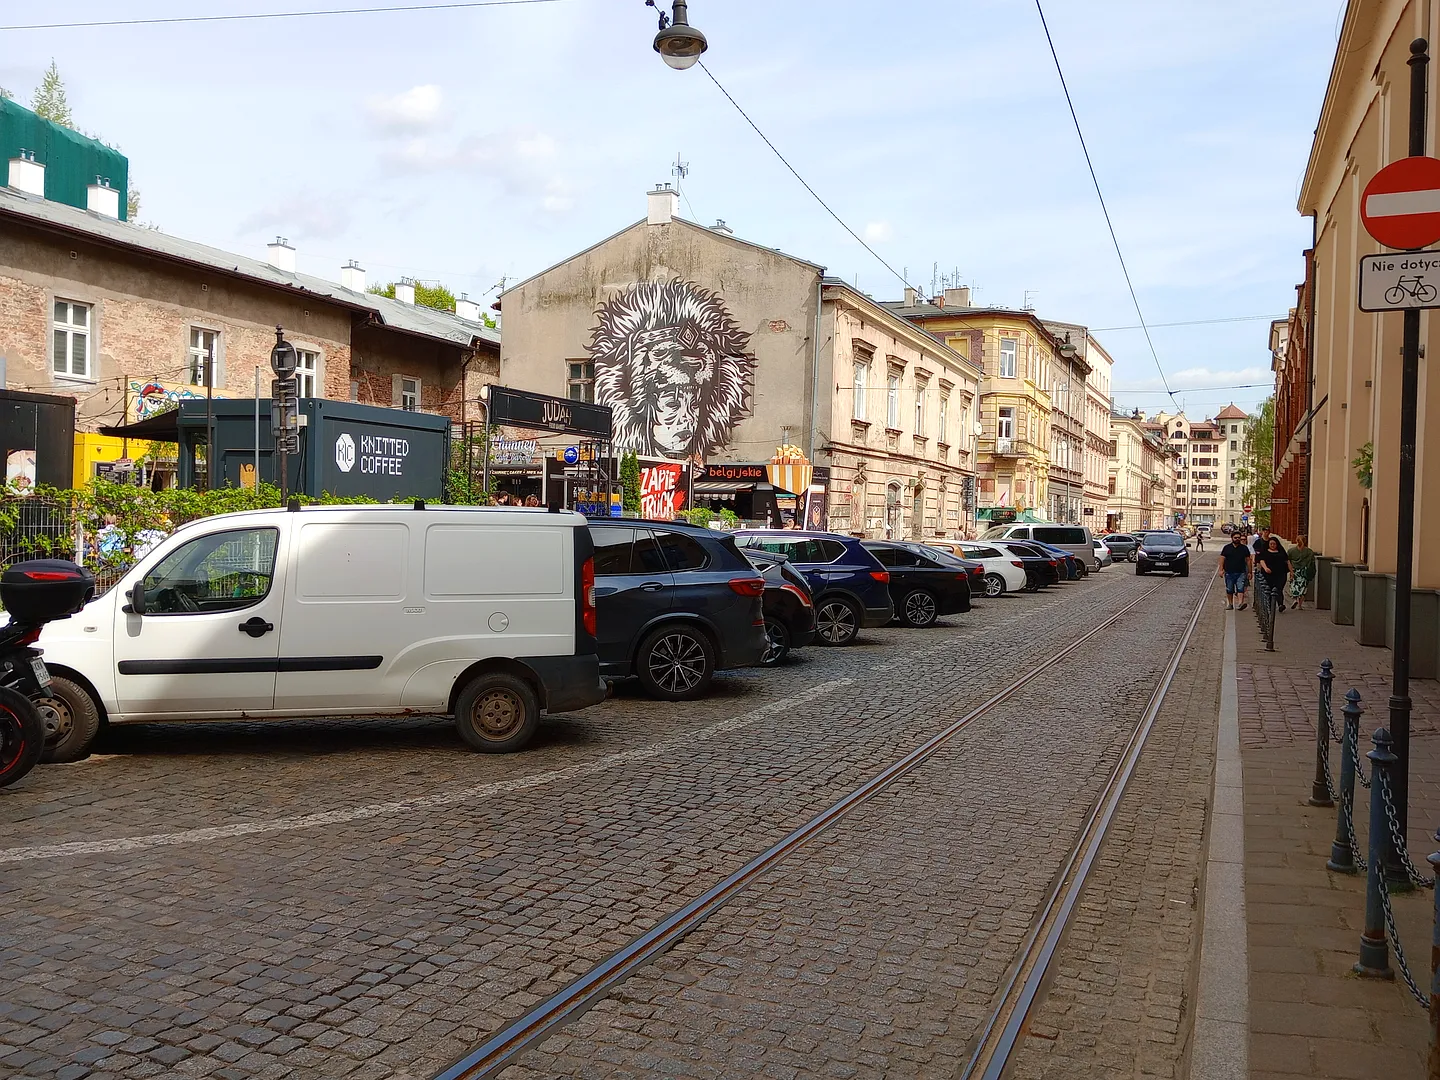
pixel 613 550
pixel 220 572
pixel 862 385
pixel 682 552
pixel 409 394
pixel 802 550
pixel 1232 489
pixel 1234 445
pixel 921 389
pixel 581 383
pixel 72 328
pixel 307 371
pixel 1114 447
pixel 1005 424
pixel 1234 429
pixel 204 346
pixel 1112 485
pixel 892 402
pixel 944 434
pixel 1060 535
pixel 1009 347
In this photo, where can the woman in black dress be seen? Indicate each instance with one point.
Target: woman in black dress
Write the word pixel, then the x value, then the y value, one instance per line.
pixel 1274 563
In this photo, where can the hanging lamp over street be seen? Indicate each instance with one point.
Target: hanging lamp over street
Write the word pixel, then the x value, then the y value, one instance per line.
pixel 678 43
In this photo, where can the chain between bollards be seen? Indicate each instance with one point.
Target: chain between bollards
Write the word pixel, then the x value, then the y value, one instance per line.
pixel 1345 857
pixel 1322 793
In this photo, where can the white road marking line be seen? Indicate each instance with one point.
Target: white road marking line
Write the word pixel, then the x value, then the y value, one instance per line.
pixel 1397 203
pixel 493 788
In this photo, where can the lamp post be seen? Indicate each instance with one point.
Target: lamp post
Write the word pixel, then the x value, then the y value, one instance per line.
pixel 678 43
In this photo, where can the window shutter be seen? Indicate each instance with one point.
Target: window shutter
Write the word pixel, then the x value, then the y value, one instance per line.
pixel 395 385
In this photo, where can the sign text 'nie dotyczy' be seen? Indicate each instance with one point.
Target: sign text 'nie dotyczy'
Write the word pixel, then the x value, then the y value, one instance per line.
pixel 1400 281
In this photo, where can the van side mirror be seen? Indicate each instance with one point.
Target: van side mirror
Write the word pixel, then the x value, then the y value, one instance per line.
pixel 137 600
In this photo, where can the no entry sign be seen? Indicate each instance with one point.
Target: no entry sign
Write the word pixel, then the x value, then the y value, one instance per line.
pixel 1401 204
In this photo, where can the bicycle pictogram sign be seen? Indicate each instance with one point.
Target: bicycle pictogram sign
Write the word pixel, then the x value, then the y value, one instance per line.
pixel 1402 281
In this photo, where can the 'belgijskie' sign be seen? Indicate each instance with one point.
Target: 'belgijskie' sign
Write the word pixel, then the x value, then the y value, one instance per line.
pixel 734 473
pixel 546 413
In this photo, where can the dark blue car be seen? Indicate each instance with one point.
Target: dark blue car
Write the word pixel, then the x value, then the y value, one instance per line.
pixel 850 587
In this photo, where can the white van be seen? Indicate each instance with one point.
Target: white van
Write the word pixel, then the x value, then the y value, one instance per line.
pixel 487 615
pixel 1075 539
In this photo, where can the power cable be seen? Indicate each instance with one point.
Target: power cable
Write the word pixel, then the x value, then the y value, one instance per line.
pixel 1191 322
pixel 1194 389
pixel 255 16
pixel 1101 196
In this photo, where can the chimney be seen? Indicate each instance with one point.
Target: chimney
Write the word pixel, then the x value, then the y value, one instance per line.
pixel 405 291
pixel 911 296
pixel 958 297
pixel 467 309
pixel 720 226
pixel 352 276
pixel 102 199
pixel 662 204
pixel 281 255
pixel 27 174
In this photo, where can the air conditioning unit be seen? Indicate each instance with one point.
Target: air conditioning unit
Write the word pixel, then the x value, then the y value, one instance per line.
pixel 1004 445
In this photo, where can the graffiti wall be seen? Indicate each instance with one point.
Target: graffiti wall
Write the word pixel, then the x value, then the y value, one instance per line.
pixel 675 367
pixel 149 396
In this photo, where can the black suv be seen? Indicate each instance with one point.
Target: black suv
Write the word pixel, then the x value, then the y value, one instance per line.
pixel 674 604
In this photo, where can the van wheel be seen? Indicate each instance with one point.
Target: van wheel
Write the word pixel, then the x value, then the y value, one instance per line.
pixel 497 713
pixel 675 663
pixel 837 621
pixel 72 720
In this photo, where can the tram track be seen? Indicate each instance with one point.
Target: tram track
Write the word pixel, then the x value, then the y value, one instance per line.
pixel 505 1047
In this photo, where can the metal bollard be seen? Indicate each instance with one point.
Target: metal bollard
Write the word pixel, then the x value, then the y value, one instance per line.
pixel 1374 949
pixel 1434 1070
pixel 1320 787
pixel 1342 850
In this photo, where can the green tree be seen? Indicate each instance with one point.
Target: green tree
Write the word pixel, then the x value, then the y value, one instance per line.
pixel 1257 464
pixel 6 94
pixel 630 481
pixel 432 296
pixel 49 101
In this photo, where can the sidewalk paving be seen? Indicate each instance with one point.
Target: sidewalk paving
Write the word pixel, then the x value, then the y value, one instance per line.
pixel 1309 1014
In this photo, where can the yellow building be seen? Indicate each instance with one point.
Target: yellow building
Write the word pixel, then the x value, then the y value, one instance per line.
pixel 1020 361
pixel 1354 356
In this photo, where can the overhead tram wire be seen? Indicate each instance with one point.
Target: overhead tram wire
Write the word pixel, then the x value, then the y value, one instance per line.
pixel 1189 322
pixel 461 5
pixel 1101 196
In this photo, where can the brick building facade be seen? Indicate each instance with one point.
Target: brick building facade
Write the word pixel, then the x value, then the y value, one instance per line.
pixel 1290 360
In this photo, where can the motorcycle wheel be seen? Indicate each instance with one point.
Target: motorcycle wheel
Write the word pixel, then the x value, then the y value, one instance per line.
pixel 22 735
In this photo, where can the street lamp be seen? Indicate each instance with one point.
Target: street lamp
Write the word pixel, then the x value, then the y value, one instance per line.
pixel 678 43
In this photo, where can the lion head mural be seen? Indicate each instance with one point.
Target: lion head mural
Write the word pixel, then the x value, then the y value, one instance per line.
pixel 673 365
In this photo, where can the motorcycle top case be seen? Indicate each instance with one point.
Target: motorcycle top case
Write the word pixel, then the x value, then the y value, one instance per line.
pixel 43 590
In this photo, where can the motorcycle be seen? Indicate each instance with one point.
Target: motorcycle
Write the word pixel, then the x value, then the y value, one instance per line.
pixel 33 593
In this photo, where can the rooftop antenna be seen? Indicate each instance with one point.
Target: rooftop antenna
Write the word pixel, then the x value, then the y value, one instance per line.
pixel 1025 303
pixel 680 169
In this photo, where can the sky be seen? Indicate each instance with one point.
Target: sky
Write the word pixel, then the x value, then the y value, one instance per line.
pixel 463 146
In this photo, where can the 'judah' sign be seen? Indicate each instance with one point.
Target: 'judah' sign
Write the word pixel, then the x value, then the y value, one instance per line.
pixel 1404 280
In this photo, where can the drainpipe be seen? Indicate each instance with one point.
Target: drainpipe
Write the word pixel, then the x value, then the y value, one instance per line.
pixel 1310 367
pixel 815 367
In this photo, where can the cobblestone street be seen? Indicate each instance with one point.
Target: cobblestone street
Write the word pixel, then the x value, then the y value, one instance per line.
pixel 372 900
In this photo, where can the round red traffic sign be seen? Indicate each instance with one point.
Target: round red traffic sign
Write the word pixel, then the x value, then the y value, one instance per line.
pixel 1401 204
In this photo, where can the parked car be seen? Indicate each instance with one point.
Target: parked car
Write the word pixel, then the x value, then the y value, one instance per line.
pixel 1072 567
pixel 1103 558
pixel 789 609
pixel 485 615
pixel 1041 568
pixel 1121 545
pixel 850 588
pixel 675 603
pixel 1163 551
pixel 924 585
pixel 1075 539
pixel 1001 571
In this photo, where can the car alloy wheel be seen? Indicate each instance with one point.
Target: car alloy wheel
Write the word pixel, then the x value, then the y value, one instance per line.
pixel 994 585
pixel 498 713
pixel 836 622
pixel 777 643
pixel 677 663
pixel 920 609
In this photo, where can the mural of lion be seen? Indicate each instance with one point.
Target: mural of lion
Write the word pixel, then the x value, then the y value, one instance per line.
pixel 675 368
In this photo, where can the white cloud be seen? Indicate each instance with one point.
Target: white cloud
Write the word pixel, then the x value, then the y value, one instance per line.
pixel 421 108
pixel 304 215
pixel 877 232
pixel 523 162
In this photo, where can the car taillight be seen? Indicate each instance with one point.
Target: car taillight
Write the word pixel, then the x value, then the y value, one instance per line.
pixel 881 575
pixel 587 596
pixel 1017 562
pixel 748 586
pixel 1054 562
pixel 976 571
pixel 798 592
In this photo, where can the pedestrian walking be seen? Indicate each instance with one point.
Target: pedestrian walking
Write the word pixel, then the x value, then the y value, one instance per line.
pixel 1235 562
pixel 1199 541
pixel 1262 542
pixel 1274 563
pixel 1302 569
